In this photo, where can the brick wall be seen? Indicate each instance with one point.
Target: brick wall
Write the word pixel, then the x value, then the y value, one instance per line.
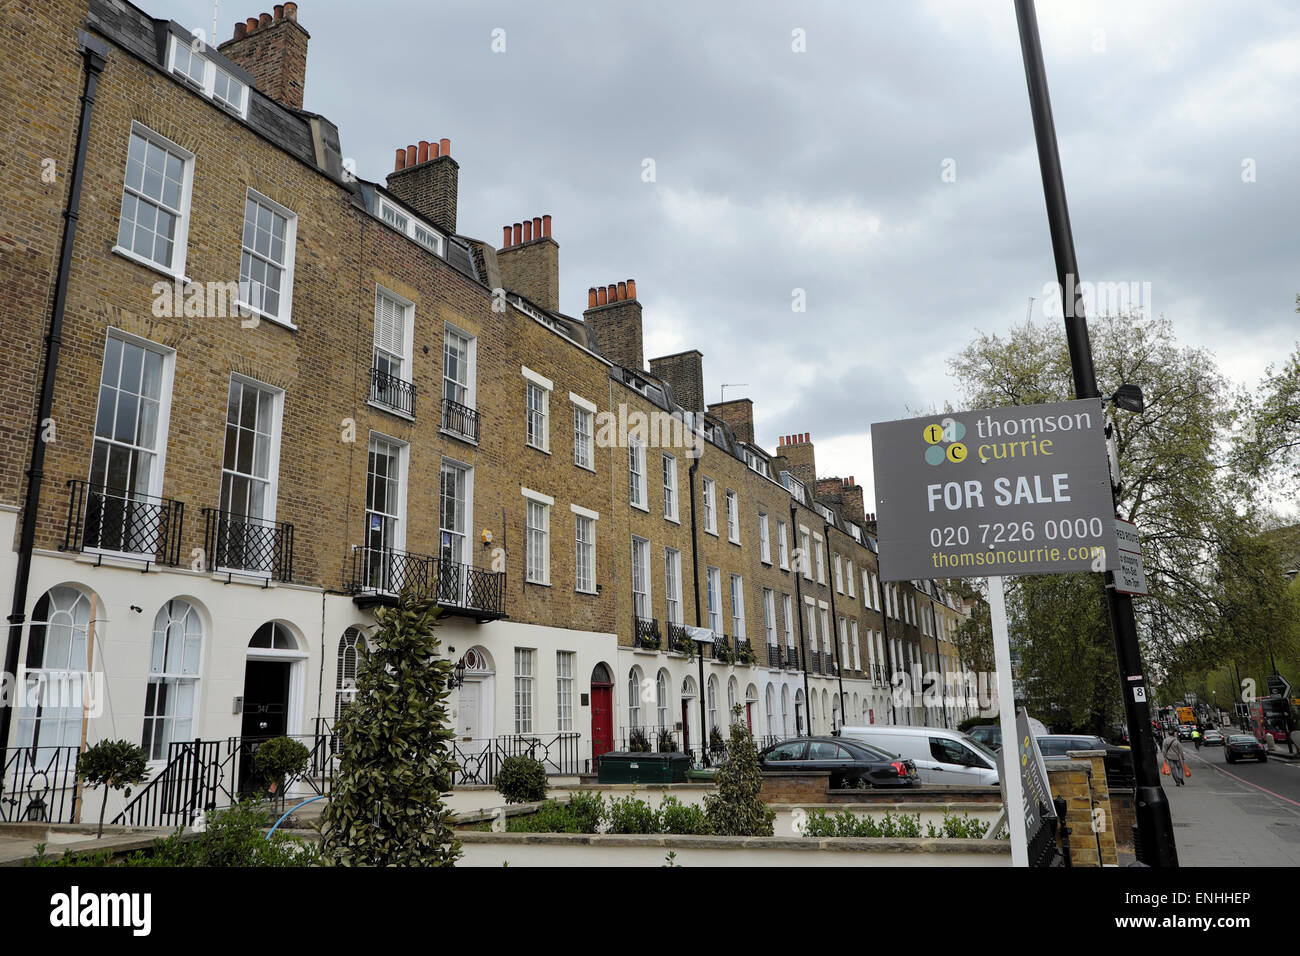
pixel 684 373
pixel 531 267
pixel 273 48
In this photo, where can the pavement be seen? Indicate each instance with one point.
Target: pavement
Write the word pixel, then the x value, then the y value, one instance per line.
pixel 1240 814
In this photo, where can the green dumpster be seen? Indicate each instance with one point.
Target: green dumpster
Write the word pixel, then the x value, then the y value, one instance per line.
pixel 621 766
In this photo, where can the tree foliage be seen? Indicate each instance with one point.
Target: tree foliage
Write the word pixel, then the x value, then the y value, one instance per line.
pixel 736 810
pixel 1173 486
pixel 113 765
pixel 386 806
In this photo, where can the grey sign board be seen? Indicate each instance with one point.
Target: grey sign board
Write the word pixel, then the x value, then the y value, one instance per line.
pixel 994 491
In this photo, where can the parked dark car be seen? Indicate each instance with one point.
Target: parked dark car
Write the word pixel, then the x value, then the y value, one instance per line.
pixel 1244 747
pixel 850 762
pixel 1118 760
pixel 990 735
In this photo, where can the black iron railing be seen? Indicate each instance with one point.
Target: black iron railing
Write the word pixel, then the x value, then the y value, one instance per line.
pixel 107 519
pixel 455 586
pixel 460 420
pixel 478 760
pixel 39 784
pixel 651 738
pixel 248 545
pixel 791 657
pixel 722 648
pixel 645 633
pixel 744 651
pixel 396 393
pixel 773 655
pixel 814 662
pixel 678 637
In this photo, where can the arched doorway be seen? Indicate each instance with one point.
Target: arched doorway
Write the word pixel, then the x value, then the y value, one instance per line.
pixel 273 689
pixel 751 698
pixel 799 713
pixel 602 713
pixel 476 703
pixel 690 713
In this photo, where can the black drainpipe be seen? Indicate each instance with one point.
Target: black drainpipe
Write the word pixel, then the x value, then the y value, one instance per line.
pixel 94 53
pixel 839 664
pixel 803 637
pixel 695 580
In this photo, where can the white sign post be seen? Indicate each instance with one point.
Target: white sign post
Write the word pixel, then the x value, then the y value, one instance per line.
pixel 1012 789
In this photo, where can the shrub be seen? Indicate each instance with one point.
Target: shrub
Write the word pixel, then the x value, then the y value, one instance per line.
pixel 522 780
pixel 551 817
pixel 667 742
pixel 638 741
pixel 736 810
pixel 395 764
pixel 632 815
pixel 113 765
pixel 716 743
pixel 588 811
pixel 682 818
pixel 280 759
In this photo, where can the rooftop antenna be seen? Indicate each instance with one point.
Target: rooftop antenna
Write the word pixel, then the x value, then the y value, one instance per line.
pixel 722 389
pixel 1029 311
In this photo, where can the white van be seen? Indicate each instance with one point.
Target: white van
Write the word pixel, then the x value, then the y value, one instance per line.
pixel 946 757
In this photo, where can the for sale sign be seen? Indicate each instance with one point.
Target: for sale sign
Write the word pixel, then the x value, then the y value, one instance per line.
pixel 995 491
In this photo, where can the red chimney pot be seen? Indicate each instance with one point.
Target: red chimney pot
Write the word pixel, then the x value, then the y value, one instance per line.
pixel 423 155
pixel 591 297
pixel 251 24
pixel 601 294
pixel 505 239
pixel 412 154
pixel 528 230
pixel 445 144
pixel 264 20
pixel 537 227
pixel 622 291
pixel 631 288
pixel 241 30
pixel 434 151
pixel 519 233
pixel 546 225
pixel 400 161
pixel 277 12
pixel 291 11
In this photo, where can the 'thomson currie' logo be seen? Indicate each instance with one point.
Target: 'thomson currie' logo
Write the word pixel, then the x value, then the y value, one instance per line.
pixel 944 441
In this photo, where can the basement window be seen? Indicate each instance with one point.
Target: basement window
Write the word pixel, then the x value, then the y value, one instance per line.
pixel 188 62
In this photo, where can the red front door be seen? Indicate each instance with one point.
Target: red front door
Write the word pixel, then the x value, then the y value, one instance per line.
pixel 686 725
pixel 749 716
pixel 602 721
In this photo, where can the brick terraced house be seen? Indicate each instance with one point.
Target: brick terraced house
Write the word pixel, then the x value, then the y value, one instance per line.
pixel 248 397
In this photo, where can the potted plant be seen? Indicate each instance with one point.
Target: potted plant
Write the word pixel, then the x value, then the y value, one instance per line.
pixel 746 655
pixel 280 760
pixel 724 652
pixel 716 742
pixel 638 741
pixel 667 741
pixel 113 765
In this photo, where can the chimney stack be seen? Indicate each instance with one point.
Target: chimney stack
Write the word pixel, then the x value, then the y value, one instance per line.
pixel 801 462
pixel 615 323
pixel 529 260
pixel 273 49
pixel 683 371
pixel 739 414
pixel 426 178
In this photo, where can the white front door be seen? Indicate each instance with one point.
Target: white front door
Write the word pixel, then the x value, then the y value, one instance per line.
pixel 469 722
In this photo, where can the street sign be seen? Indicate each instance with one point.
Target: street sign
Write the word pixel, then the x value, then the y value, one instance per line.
pixel 1130 575
pixel 1037 793
pixel 1279 686
pixel 994 491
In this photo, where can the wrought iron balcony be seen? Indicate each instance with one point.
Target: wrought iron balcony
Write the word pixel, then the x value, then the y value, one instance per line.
pixel 722 649
pixel 773 655
pixel 392 392
pixel 379 575
pixel 123 522
pixel 814 662
pixel 645 633
pixel 238 543
pixel 790 657
pixel 461 420
pixel 744 651
pixel 678 637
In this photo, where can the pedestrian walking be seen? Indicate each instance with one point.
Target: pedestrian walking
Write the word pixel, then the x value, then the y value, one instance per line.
pixel 1172 751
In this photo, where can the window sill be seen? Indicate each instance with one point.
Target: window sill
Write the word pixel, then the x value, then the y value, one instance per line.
pixel 537 584
pixel 645 508
pixel 258 314
pixel 234 576
pixel 117 559
pixel 585 591
pixel 673 518
pixel 714 533
pixel 150 264
pixel 735 541
pixel 590 468
pixel 456 435
pixel 395 412
pixel 544 451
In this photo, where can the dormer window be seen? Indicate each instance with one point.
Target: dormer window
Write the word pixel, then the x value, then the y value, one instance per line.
pixel 409 226
pixel 187 61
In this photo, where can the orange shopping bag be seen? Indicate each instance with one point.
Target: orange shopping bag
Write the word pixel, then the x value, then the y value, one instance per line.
pixel 1187 771
pixel 1165 768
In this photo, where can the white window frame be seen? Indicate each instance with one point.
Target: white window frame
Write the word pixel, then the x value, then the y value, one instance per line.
pixel 709 496
pixel 398 514
pixel 713 588
pixel 411 226
pixel 670 487
pixel 285 314
pixel 180 242
pixel 525 674
pixel 462 554
pixel 805 544
pixel 737 606
pixel 406 358
pixel 769 616
pixel 818 541
pixel 839 573
pixel 764 539
pixel 673 585
pixel 782 546
pixel 584 432
pixel 165 719
pixel 545 503
pixel 787 617
pixel 469 397
pixel 848 579
pixel 638 491
pixel 564 667
pixel 581 515
pixel 642 596
pixel 733 517
pixel 208 84
pixel 544 386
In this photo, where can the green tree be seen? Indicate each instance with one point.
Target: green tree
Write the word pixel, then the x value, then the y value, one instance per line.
pixel 1173 487
pixel 736 810
pixel 113 765
pixel 1268 446
pixel 386 806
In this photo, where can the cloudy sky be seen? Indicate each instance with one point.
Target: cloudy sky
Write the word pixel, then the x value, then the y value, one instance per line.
pixel 824 170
